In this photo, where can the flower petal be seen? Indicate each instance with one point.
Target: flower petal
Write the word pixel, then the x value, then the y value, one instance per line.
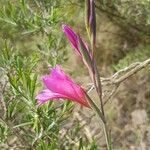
pixel 47 95
pixel 58 73
pixel 59 86
pixel 72 37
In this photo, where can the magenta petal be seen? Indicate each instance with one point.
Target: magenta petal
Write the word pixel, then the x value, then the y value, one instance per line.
pixel 46 95
pixel 74 40
pixel 57 73
pixel 72 37
pixel 61 86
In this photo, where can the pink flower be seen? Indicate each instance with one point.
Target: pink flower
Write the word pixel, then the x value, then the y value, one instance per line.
pixel 72 37
pixel 75 39
pixel 81 48
pixel 59 85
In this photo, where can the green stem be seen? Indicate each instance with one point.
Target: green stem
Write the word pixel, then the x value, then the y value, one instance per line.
pixel 101 116
pixel 107 136
pixel 95 108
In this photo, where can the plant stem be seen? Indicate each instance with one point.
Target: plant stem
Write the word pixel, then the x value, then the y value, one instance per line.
pixel 106 131
pixel 105 128
pixel 98 87
pixel 107 136
pixel 101 116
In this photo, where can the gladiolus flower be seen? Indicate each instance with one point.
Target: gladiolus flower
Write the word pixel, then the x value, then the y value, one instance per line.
pixel 79 45
pixel 75 39
pixel 59 85
pixel 72 37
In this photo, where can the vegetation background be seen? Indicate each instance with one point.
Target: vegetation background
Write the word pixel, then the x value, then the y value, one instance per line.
pixel 31 42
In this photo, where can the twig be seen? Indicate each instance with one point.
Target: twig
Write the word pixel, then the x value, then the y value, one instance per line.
pixel 133 71
pixel 120 76
pixel 132 66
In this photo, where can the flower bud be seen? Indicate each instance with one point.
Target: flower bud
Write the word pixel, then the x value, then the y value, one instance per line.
pixel 91 20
